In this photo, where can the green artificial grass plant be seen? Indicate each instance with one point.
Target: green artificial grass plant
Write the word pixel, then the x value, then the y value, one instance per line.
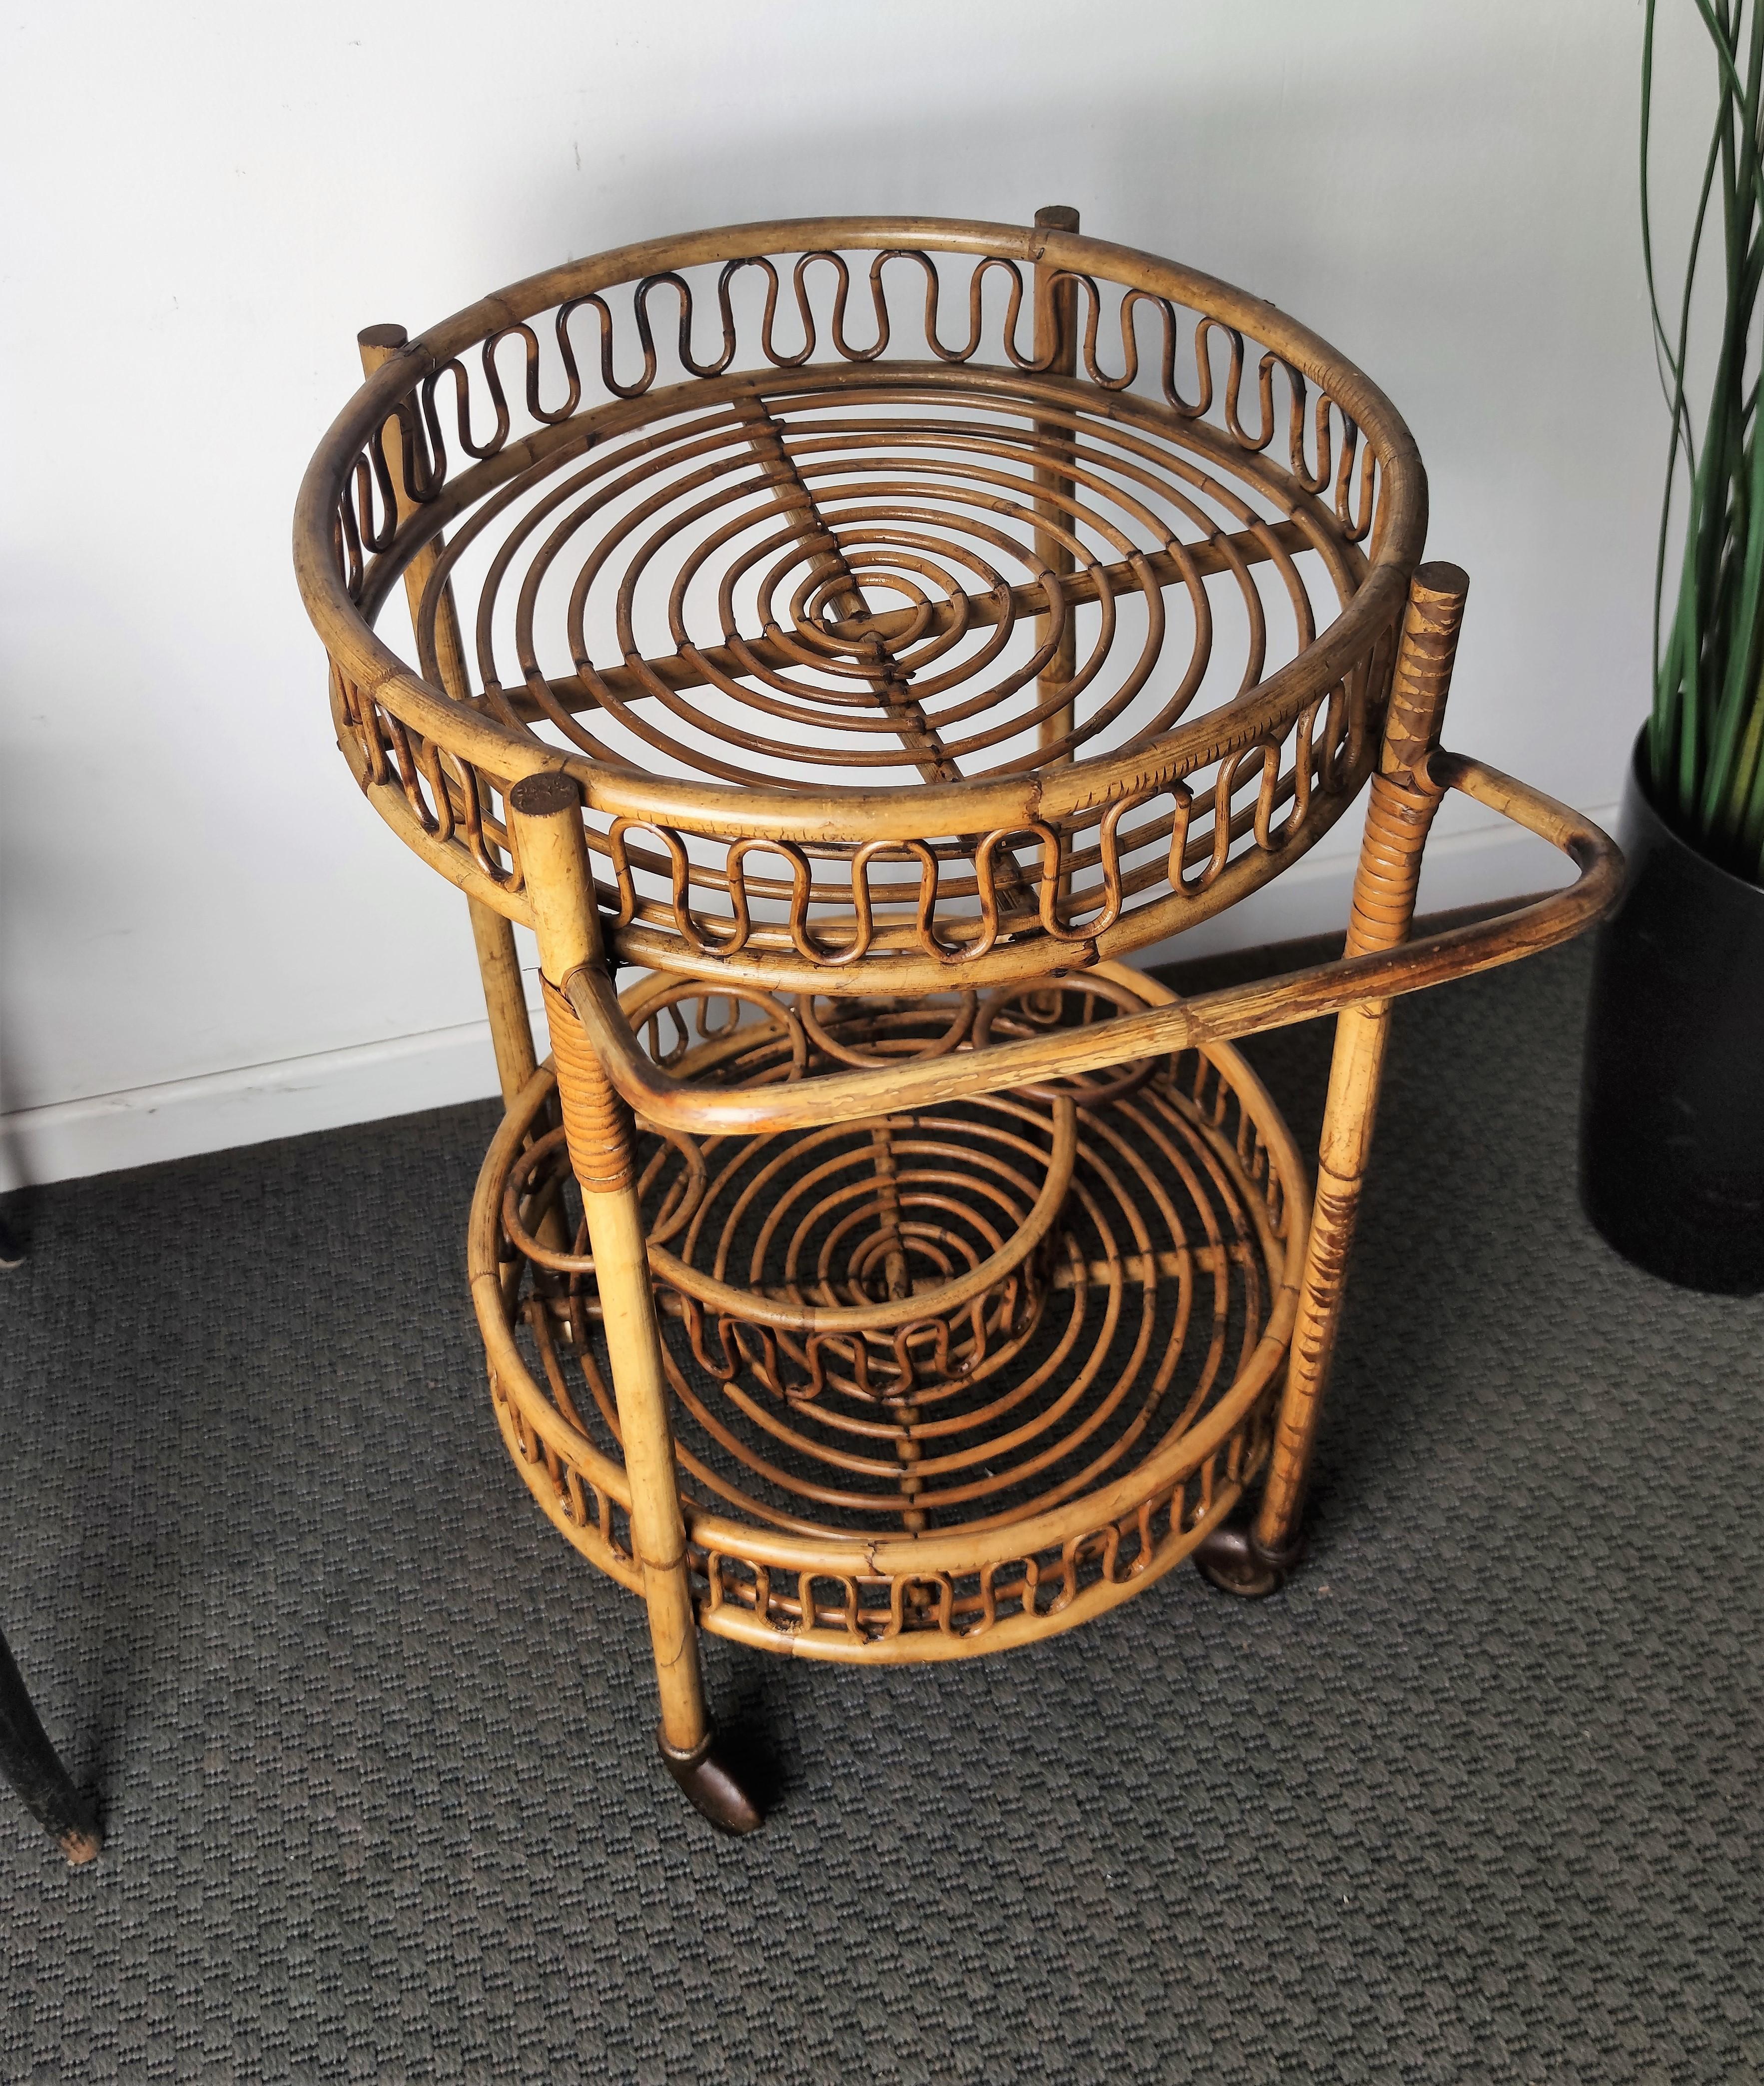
pixel 1705 749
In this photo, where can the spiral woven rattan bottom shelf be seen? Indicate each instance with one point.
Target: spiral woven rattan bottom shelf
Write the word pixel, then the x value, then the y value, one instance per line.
pixel 959 1475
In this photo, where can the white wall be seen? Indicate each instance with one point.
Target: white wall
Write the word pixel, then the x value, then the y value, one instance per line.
pixel 206 936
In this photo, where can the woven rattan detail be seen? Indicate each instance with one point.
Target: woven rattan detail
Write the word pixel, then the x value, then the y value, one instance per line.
pixel 918 600
pixel 597 1122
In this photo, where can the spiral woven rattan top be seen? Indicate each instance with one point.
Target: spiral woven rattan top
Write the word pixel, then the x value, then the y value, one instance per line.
pixel 905 595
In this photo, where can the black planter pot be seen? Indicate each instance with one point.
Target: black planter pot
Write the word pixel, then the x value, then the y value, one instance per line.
pixel 1671 1117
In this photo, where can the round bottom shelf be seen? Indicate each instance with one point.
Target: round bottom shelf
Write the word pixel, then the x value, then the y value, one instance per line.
pixel 942 1381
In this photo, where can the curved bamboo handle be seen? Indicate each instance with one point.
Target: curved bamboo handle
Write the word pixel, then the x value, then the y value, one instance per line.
pixel 1213 1017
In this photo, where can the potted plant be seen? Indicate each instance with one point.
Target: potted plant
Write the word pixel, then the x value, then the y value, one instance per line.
pixel 1672 1114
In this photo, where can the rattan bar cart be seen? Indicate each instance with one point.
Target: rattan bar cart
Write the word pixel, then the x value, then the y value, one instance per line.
pixel 868 632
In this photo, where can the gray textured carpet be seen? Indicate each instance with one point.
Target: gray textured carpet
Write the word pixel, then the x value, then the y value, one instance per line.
pixel 1477 1800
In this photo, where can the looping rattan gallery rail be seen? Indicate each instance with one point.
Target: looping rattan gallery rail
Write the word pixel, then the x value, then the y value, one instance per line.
pixel 871 631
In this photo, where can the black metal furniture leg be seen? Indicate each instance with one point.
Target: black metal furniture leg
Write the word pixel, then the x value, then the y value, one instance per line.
pixel 30 1763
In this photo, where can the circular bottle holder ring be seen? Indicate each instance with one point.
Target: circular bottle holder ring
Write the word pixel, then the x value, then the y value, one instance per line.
pixel 947 1380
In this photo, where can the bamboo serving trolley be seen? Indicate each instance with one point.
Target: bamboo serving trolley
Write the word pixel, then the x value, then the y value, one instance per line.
pixel 869 631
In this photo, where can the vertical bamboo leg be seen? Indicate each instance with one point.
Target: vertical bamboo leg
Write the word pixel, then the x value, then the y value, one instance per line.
pixel 1057 351
pixel 1403 802
pixel 510 1032
pixel 1056 348
pixel 598 1129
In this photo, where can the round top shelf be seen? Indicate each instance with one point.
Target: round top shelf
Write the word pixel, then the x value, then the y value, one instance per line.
pixel 916 603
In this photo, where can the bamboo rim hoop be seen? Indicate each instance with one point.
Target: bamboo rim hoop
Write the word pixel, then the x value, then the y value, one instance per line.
pixel 470 748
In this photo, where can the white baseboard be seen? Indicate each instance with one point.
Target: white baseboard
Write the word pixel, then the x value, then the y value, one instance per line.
pixel 142 1125
pixel 329 1089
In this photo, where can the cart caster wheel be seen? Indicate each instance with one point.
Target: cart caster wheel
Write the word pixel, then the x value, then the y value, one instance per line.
pixel 1230 1559
pixel 711 1787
